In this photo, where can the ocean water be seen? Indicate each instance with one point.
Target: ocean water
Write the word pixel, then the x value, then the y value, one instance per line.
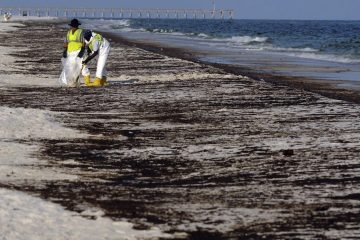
pixel 318 49
pixel 326 40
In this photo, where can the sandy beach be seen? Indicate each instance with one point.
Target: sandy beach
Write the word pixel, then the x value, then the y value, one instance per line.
pixel 170 149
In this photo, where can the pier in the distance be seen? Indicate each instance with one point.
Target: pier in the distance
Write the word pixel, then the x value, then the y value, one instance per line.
pixel 111 13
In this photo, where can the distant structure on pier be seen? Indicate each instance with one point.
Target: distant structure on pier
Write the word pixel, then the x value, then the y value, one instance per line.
pixel 122 13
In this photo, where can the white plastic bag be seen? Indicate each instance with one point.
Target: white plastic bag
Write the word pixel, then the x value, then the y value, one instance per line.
pixel 72 66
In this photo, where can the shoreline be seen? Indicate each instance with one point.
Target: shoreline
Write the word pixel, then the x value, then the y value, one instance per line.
pixel 189 149
pixel 327 88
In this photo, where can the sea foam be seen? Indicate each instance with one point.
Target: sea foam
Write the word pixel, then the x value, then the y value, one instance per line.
pixel 248 39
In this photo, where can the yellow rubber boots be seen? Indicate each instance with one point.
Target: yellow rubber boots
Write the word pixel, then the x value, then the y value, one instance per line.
pixel 87 80
pixel 103 81
pixel 98 82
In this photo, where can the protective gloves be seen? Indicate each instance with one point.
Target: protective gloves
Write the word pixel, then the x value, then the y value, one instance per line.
pixel 81 53
pixel 64 53
pixel 89 58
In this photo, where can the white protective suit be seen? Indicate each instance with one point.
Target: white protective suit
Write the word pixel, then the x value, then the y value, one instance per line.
pixel 104 49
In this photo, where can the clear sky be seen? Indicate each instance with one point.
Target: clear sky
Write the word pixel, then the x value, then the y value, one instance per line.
pixel 245 9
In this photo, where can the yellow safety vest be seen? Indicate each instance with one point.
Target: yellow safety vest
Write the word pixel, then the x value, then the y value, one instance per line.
pixel 97 38
pixel 75 40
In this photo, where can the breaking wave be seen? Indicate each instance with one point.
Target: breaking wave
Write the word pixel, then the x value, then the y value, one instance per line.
pixel 248 39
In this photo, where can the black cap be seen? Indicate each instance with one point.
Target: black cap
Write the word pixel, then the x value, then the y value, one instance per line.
pixel 87 35
pixel 74 23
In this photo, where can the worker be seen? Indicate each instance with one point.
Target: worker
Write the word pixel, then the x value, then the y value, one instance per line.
pixel 75 44
pixel 7 16
pixel 97 45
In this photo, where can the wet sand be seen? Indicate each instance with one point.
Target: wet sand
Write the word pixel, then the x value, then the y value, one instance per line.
pixel 336 89
pixel 196 150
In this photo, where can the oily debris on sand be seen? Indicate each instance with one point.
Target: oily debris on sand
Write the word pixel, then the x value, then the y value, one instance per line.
pixel 189 148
